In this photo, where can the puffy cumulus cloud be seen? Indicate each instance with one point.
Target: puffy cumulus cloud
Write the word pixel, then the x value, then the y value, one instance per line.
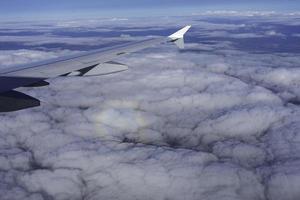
pixel 243 124
pixel 283 140
pixel 283 181
pixel 208 122
pixel 10 58
pixel 274 33
pixel 245 154
pixel 284 81
pixel 94 169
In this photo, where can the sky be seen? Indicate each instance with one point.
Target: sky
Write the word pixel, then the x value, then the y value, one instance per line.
pixel 119 8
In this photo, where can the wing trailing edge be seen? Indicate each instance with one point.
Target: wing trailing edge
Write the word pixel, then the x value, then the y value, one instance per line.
pixel 13 101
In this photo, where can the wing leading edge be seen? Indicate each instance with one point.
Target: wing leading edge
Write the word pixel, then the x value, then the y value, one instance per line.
pixel 97 62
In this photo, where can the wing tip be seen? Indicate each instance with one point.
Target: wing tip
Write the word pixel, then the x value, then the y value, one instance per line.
pixel 180 34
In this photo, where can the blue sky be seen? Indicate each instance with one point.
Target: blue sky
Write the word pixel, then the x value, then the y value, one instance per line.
pixel 117 8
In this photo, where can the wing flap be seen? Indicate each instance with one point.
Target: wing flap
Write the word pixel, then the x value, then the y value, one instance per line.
pixel 106 69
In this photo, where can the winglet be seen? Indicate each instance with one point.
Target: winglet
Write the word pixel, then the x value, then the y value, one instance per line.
pixel 178 37
pixel 179 34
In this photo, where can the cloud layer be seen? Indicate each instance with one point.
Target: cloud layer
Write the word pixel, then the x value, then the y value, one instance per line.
pixel 213 121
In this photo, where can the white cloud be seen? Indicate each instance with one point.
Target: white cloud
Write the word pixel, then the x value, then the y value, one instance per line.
pixel 177 125
pixel 274 33
pixel 296 35
pixel 11 58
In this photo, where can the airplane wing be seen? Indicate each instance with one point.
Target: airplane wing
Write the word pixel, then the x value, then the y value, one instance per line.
pixel 92 63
